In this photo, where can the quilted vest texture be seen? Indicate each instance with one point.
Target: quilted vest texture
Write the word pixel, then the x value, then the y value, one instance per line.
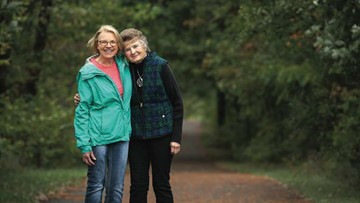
pixel 154 118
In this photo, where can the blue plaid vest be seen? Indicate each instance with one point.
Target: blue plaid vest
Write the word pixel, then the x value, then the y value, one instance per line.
pixel 155 117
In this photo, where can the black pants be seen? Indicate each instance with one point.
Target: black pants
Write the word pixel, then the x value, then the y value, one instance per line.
pixel 142 154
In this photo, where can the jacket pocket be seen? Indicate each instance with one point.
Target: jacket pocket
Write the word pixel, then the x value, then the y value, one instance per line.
pixel 109 116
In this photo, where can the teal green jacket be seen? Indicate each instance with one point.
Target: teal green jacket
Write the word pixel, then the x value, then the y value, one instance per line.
pixel 102 116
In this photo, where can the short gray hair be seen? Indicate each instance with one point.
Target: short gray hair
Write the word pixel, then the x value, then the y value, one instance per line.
pixel 132 34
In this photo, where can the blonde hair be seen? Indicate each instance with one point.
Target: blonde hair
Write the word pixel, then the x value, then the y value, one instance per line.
pixel 92 43
pixel 132 34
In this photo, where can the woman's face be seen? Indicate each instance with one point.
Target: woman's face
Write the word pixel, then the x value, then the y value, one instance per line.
pixel 107 45
pixel 135 51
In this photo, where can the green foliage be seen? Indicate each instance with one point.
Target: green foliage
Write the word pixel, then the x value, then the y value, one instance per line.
pixel 289 72
pixel 38 132
pixel 27 184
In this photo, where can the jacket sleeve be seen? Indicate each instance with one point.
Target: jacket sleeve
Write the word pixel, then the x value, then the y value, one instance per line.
pixel 173 91
pixel 82 112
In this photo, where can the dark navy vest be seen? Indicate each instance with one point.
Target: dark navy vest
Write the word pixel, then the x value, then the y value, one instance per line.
pixel 154 118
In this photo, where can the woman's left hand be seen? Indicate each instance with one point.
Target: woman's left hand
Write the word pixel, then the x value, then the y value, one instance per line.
pixel 174 147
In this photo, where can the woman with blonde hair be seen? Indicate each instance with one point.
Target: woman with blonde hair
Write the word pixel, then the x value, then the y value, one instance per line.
pixel 102 117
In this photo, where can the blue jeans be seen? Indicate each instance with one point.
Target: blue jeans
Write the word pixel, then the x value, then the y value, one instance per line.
pixel 108 172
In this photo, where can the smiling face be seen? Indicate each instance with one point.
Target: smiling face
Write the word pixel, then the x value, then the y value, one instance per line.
pixel 107 45
pixel 135 51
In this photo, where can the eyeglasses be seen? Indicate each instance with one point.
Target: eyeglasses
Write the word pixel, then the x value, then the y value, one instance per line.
pixel 105 43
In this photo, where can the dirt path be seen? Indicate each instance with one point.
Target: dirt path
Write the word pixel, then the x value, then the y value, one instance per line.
pixel 195 180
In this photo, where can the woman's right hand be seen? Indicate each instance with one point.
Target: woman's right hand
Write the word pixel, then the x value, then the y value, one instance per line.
pixel 76 99
pixel 89 158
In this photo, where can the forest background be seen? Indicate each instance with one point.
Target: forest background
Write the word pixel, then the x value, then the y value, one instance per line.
pixel 276 81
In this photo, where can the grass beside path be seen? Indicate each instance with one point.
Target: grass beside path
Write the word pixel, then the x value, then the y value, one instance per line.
pixel 26 184
pixel 318 187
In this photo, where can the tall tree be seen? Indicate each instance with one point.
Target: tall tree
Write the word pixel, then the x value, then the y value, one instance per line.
pixel 9 12
pixel 42 23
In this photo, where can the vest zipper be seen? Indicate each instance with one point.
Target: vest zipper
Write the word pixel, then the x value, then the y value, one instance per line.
pixel 139 98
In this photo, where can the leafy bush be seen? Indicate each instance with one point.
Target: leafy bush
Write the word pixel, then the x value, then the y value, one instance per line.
pixel 36 132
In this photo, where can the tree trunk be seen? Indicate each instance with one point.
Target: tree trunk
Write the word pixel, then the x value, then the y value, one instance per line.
pixel 221 107
pixel 39 45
